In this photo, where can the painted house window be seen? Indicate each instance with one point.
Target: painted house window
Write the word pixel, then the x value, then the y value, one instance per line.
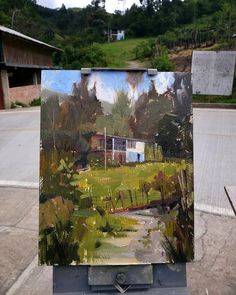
pixel 100 143
pixel 120 145
pixel 109 144
pixel 131 144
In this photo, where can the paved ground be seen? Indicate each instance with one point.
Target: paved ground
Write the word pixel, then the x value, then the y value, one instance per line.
pixel 19 145
pixel 214 269
pixel 214 158
pixel 213 273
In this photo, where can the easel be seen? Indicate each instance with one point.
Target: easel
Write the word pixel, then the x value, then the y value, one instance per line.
pixel 158 279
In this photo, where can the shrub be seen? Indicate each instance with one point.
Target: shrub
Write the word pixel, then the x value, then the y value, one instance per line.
pixel 145 49
pixel 35 102
pixel 90 56
pixel 161 61
pixel 18 104
pixel 57 244
pixel 163 64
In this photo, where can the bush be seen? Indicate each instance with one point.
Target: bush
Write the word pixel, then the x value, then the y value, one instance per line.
pixel 145 49
pixel 77 58
pixel 57 244
pixel 156 54
pixel 161 60
pixel 163 64
pixel 35 102
pixel 18 104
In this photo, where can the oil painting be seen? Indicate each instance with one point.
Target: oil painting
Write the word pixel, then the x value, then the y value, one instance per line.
pixel 116 168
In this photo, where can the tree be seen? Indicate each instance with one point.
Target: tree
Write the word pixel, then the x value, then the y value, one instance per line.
pixel 98 4
pixel 70 125
pixel 121 112
pixel 152 5
pixel 50 111
pixel 76 58
pixel 62 21
pixel 167 136
pixel 121 106
pixel 117 122
pixel 149 110
pixel 183 94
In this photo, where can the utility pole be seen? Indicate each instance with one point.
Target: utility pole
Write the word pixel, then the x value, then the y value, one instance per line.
pixel 108 33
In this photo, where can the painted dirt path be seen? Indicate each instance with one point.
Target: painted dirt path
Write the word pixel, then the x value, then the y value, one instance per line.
pixel 136 247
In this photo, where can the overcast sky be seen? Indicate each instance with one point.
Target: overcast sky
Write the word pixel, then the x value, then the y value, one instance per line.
pixel 111 5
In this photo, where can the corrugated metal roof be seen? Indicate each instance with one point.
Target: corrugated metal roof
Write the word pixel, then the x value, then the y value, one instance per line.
pixel 20 35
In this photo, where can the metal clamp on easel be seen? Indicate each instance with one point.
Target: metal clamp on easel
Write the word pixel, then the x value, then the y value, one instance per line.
pixel 121 278
pixel 88 71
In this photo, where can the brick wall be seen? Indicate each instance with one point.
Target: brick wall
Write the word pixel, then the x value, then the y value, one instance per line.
pixel 24 94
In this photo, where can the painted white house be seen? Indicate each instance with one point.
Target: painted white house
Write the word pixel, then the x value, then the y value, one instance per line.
pixel 135 151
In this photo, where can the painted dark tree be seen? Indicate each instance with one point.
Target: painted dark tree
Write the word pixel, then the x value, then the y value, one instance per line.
pixel 183 94
pixel 178 140
pixel 68 126
pixel 149 110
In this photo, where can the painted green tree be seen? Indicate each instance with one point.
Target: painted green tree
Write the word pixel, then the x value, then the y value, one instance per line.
pixel 117 123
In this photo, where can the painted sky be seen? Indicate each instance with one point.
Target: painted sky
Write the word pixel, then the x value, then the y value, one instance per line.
pixel 111 5
pixel 60 80
pixel 107 83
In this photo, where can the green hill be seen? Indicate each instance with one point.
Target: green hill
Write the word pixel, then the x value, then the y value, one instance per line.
pixel 119 53
pixel 82 32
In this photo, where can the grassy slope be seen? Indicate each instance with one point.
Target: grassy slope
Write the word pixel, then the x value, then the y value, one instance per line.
pixel 120 52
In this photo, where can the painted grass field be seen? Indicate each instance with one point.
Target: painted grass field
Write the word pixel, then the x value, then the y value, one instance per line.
pixel 127 187
pixel 120 215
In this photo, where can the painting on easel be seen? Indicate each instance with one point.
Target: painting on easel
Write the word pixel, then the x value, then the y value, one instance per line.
pixel 116 168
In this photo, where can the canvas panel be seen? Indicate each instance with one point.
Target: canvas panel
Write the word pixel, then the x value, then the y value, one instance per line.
pixel 116 168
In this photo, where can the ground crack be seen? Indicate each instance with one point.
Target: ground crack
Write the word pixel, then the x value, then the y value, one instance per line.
pixel 223 246
pixel 202 237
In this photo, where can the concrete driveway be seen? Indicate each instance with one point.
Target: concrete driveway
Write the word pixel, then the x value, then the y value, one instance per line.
pixel 215 154
pixel 19 146
pixel 214 158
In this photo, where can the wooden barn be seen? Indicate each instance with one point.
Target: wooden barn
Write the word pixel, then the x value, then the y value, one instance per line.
pixel 21 61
